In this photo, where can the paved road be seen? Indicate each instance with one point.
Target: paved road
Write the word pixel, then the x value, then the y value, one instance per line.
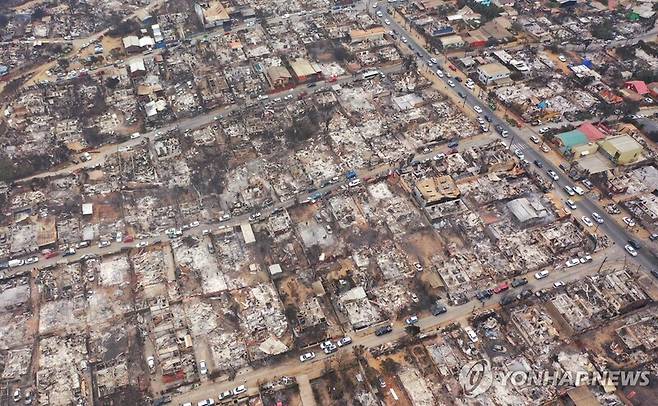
pixel 199 121
pixel 313 369
pixel 518 141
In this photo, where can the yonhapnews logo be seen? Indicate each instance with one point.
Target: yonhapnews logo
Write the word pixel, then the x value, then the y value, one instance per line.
pixel 476 377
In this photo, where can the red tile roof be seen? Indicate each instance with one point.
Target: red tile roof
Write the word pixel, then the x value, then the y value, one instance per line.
pixel 592 132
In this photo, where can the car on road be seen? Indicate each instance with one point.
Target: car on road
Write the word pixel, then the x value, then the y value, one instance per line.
pixel 354 182
pixel 630 250
pixel 330 349
pixel 507 299
pixel 344 341
pixel 453 144
pixel 538 163
pixel 404 40
pixel 629 221
pixel 572 262
pixel 588 222
pixel 587 183
pixel 483 294
pixel 307 356
pixel 519 153
pixel 103 244
pixel 571 204
pixel 51 254
pixel 543 130
pixel 470 85
pixel 535 139
pixel 654 272
pixel 519 282
pixel 585 259
pixel 383 330
pixel 471 334
pixel 438 308
pixel 631 242
pixel 439 73
pixel 203 368
pixel 31 260
pixel 501 288
pixel 225 395
pixel 579 191
pixel 569 191
pixel 326 344
pixel 379 14
pixel 525 293
pixel 434 60
pixel 597 217
pixel 142 244
pixel 451 83
pixel 411 320
pixel 541 274
pixel 477 109
pixel 440 156
pixel 387 22
pixel 206 402
pixel 551 173
pixel 418 267
pixel 558 284
pixel 545 148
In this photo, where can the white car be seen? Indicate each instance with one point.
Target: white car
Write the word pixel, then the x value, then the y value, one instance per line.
pixel 471 334
pixel 411 320
pixel 587 221
pixel 103 244
pixel 379 14
pixel 558 284
pixel 307 356
pixel 569 191
pixel 439 156
pixel 543 130
pixel 439 73
pixel 354 182
pixel 203 368
pixel 553 175
pixel 597 217
pixel 535 139
pixel 142 244
pixel 387 21
pixel 326 344
pixel 541 275
pixel 585 259
pixel 562 58
pixel 572 262
pixel 629 222
pixel 32 260
pixel 571 204
pixel 630 250
pixel 519 153
pixel 225 395
pixel 579 191
pixel 194 224
pixel 418 267
pixel 470 85
pixel 477 108
pixel 433 60
pixel 344 341
pixel 404 40
pixel 206 402
pixel 240 389
pixel 451 83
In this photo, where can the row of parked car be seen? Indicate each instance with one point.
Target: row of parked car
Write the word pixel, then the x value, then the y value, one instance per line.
pixel 328 347
pixel 222 396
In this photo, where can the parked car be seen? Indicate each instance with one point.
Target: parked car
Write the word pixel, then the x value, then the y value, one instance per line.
pixel 507 299
pixel 203 368
pixel 240 389
pixel 344 341
pixel 630 250
pixel 597 217
pixel 501 288
pixel 438 308
pixel 471 334
pixel 634 244
pixel 553 175
pixel 411 320
pixel 571 204
pixel 558 284
pixel 569 191
pixel 541 274
pixel 519 282
pixel 587 221
pixel 307 356
pixel 572 262
pixel 383 330
pixel 225 395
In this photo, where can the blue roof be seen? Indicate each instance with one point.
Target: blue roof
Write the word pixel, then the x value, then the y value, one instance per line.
pixel 572 139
